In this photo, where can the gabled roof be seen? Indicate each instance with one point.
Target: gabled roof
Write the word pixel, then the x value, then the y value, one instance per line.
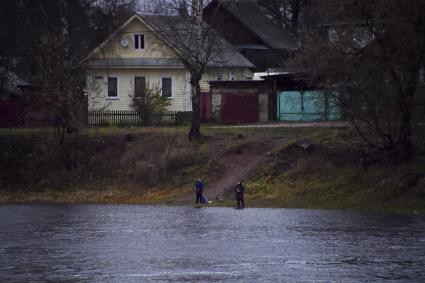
pixel 250 14
pixel 109 38
pixel 225 56
pixel 223 53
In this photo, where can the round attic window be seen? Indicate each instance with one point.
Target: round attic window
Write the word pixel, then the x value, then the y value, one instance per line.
pixel 124 42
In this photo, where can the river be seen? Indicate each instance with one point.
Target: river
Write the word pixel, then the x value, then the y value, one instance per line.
pixel 134 243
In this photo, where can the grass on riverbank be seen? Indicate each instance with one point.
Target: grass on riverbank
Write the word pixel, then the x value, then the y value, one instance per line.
pixel 102 193
pixel 158 166
pixel 332 178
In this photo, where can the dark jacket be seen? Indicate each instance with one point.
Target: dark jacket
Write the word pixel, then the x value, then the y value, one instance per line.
pixel 199 187
pixel 239 190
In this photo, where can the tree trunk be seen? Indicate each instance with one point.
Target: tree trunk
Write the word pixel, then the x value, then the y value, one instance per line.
pixel 295 17
pixel 195 129
pixel 196 72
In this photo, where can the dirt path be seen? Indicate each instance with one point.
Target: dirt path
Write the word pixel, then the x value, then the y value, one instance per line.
pixel 240 162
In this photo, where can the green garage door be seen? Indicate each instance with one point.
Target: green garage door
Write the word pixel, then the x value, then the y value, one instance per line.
pixel 306 106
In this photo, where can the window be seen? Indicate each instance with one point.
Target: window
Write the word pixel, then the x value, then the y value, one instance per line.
pixel 96 85
pixel 139 41
pixel 113 87
pixel 139 86
pixel 166 87
pixel 219 77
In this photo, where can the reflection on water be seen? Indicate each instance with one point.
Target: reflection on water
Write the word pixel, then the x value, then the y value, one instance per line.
pixel 120 243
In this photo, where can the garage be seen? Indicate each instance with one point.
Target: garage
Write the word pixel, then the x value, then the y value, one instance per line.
pixel 238 102
pixel 239 108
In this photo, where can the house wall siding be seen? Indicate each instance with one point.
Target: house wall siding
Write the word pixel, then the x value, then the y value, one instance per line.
pixel 98 97
pixel 181 91
pixel 154 48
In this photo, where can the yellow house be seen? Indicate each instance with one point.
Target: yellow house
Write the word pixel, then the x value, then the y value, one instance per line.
pixel 136 55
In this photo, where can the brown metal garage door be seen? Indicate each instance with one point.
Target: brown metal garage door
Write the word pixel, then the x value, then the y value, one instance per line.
pixel 239 108
pixel 206 107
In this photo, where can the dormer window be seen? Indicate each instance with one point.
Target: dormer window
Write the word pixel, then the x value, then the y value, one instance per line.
pixel 139 41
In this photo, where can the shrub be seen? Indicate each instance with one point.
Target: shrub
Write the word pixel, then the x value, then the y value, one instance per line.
pixel 150 103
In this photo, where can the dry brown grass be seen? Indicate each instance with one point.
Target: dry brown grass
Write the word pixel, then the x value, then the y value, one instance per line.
pixel 146 158
pixel 159 166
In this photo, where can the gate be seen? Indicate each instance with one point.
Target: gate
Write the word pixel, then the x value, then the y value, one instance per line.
pixel 307 106
pixel 239 108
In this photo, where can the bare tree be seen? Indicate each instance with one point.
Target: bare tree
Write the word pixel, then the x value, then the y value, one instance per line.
pixel 196 45
pixel 371 54
pixel 286 13
pixel 47 41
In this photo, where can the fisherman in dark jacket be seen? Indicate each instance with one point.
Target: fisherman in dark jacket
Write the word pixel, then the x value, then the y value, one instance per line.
pixel 240 190
pixel 199 188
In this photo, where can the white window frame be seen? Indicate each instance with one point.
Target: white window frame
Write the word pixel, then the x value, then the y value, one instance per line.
pixel 172 84
pixel 134 42
pixel 107 88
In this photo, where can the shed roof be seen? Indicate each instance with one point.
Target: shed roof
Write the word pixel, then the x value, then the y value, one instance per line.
pixel 294 81
pixel 238 84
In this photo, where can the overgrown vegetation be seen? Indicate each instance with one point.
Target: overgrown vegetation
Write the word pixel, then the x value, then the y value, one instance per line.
pixel 310 167
pixel 149 102
pixel 333 171
pixel 32 161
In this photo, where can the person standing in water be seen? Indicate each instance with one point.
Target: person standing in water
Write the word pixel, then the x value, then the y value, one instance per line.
pixel 199 188
pixel 239 193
